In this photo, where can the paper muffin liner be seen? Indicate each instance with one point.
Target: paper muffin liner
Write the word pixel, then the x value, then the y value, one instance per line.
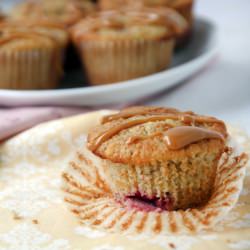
pixel 31 68
pixel 120 60
pixel 89 196
pixel 166 180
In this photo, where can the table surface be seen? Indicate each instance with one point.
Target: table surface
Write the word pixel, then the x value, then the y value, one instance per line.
pixel 223 87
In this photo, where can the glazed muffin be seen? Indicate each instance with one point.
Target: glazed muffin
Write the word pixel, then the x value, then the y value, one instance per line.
pixel 121 45
pixel 159 158
pixel 31 54
pixel 66 12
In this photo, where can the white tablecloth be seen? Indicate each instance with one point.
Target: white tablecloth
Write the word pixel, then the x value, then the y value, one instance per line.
pixel 223 88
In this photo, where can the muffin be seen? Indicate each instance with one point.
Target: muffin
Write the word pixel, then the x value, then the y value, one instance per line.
pixel 121 45
pixel 31 54
pixel 184 7
pixel 66 12
pixel 159 158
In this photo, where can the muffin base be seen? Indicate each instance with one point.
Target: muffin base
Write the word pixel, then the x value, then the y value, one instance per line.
pixel 89 196
pixel 114 61
pixel 184 185
pixel 36 68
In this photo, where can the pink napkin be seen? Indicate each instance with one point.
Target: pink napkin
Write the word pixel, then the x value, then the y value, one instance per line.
pixel 15 120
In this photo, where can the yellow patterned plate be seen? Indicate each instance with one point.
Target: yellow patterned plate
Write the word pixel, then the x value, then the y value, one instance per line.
pixel 33 215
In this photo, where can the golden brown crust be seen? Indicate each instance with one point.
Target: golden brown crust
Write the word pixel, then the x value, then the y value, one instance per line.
pixel 144 142
pixel 183 7
pixel 113 4
pixel 67 12
pixel 146 23
pixel 33 30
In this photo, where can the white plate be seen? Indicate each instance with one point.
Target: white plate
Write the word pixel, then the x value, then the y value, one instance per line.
pixel 197 53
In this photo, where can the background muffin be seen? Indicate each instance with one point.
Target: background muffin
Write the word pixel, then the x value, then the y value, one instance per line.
pixel 67 12
pixel 141 166
pixel 31 54
pixel 121 45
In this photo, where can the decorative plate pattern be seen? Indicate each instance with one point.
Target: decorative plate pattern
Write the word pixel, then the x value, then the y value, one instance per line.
pixel 32 158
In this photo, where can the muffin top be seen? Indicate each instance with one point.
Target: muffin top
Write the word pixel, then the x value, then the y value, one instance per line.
pixel 33 30
pixel 141 135
pixel 22 41
pixel 124 24
pixel 168 3
pixel 109 4
pixel 67 12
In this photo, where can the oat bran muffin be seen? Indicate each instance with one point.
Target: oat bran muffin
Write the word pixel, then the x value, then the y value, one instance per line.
pixel 121 45
pixel 67 12
pixel 159 158
pixel 31 54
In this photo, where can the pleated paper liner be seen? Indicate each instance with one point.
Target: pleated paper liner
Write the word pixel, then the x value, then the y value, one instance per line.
pixel 114 61
pixel 89 197
pixel 31 68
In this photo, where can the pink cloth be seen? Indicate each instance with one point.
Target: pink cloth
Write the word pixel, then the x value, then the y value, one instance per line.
pixel 15 120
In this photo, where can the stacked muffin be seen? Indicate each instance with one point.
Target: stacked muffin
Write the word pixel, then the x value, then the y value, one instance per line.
pixel 113 45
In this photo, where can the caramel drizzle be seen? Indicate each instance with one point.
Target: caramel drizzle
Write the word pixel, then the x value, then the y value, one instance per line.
pixel 187 118
pixel 180 137
pixel 137 112
pixel 109 133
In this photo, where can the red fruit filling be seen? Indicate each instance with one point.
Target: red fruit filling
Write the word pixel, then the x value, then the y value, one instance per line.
pixel 143 203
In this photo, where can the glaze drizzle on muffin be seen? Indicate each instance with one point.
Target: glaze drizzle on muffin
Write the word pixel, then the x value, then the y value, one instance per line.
pixel 176 138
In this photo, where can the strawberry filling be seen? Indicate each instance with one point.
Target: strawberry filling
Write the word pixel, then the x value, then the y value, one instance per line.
pixel 147 204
